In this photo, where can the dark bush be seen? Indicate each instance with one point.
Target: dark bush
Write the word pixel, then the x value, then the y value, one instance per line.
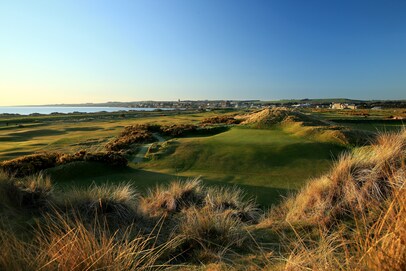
pixel 131 135
pixel 221 120
pixel 31 164
pixel 178 130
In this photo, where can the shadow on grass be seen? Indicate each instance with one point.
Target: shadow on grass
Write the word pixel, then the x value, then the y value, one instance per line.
pixel 84 129
pixel 83 174
pixel 309 150
pixel 264 196
pixel 28 135
pixel 205 132
pixel 243 159
pixel 86 173
pixel 13 154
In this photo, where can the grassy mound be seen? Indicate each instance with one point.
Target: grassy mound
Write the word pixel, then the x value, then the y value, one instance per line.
pixel 184 130
pixel 357 212
pixel 267 118
pixel 29 164
pixel 364 177
pixel 300 124
pixel 144 133
pixel 178 130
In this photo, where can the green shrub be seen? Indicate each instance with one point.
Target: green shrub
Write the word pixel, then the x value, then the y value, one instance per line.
pixel 228 120
pixel 31 164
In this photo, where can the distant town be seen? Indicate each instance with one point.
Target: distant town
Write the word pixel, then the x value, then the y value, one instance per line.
pixel 241 104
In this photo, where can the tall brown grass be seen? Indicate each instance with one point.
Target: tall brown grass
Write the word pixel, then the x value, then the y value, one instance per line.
pixel 370 242
pixel 178 196
pixel 359 208
pixel 63 244
pixel 208 235
pixel 365 177
pixel 28 193
pixel 112 227
pixel 173 197
pixel 116 205
pixel 234 202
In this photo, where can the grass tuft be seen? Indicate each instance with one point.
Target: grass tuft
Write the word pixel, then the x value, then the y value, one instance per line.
pixel 29 193
pixel 362 205
pixel 367 176
pixel 234 202
pixel 209 235
pixel 64 244
pixel 174 197
pixel 116 204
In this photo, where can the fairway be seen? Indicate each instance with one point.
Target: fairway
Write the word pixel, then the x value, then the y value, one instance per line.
pixel 268 163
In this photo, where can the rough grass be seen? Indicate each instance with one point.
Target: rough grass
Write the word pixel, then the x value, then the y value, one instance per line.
pixel 62 244
pixel 176 196
pixel 373 241
pixel 112 227
pixel 365 176
pixel 181 195
pixel 115 204
pixel 208 235
pixel 359 208
pixel 30 193
pixel 234 202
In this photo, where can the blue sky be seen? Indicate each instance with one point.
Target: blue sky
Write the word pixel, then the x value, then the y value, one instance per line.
pixel 96 51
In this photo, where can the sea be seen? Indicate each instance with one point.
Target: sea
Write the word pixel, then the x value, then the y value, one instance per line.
pixel 27 110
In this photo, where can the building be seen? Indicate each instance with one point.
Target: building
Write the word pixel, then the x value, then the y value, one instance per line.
pixel 343 106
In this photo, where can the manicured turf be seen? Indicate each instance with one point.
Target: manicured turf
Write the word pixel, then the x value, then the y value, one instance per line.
pixel 261 160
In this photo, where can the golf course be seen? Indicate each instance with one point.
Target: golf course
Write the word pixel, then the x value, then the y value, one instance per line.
pixel 193 187
pixel 268 162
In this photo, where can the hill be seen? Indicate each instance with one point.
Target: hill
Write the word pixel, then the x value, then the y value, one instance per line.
pixel 306 125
